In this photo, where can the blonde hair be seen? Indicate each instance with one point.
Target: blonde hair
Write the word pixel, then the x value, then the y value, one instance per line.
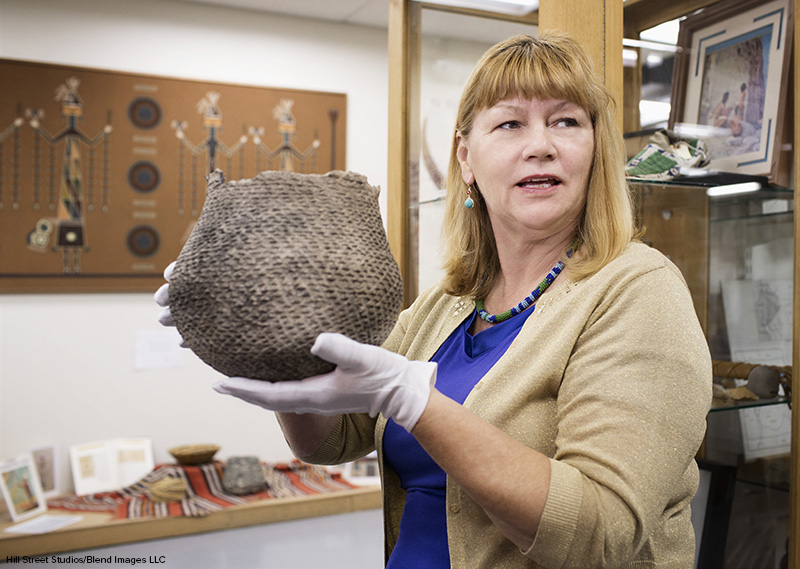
pixel 552 66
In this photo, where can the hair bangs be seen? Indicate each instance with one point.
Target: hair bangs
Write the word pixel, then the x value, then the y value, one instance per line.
pixel 531 70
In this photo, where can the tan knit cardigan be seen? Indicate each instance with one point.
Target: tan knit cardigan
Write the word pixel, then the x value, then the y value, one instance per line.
pixel 610 377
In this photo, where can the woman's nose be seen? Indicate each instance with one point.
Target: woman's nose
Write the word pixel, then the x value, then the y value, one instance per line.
pixel 539 144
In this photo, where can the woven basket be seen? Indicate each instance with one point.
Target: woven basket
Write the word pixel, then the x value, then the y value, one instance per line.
pixel 168 490
pixel 194 454
pixel 275 260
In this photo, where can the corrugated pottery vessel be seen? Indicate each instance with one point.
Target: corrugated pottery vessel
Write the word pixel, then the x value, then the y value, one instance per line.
pixel 277 259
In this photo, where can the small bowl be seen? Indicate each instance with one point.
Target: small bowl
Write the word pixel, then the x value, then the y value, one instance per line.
pixel 194 454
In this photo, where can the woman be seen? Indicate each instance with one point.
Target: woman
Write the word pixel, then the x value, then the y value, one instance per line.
pixel 719 116
pixel 738 112
pixel 560 433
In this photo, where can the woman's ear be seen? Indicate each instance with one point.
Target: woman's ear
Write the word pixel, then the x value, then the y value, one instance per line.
pixel 462 155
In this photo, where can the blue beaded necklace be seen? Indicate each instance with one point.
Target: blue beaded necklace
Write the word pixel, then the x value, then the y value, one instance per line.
pixel 527 301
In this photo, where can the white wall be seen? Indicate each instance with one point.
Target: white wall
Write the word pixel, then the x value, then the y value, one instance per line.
pixel 66 361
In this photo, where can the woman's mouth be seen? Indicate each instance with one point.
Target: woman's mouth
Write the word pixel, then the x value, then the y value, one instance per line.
pixel 539 183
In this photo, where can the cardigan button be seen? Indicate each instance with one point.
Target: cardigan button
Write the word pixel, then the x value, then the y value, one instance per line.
pixel 455 508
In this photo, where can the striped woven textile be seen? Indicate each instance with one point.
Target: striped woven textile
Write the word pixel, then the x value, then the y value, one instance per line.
pixel 205 493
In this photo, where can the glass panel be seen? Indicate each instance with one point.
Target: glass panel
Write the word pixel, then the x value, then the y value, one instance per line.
pixel 750 305
pixel 445 62
pixel 649 60
pixel 736 254
pixel 657 54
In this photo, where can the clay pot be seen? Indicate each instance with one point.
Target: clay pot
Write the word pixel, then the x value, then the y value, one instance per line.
pixel 275 260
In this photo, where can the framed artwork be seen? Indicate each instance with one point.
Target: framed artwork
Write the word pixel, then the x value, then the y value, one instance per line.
pixel 113 464
pixel 46 459
pixel 102 173
pixel 731 85
pixel 22 491
pixel 364 471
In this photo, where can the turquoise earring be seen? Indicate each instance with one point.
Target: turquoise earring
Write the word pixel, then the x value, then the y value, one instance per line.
pixel 469 202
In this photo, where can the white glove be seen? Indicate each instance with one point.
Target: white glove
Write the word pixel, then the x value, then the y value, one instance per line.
pixel 162 299
pixel 367 379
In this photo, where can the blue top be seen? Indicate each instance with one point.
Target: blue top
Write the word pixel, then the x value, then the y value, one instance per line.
pixel 463 360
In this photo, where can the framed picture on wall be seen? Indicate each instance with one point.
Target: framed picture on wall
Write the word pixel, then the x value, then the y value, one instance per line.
pixel 731 85
pixel 22 491
pixel 103 173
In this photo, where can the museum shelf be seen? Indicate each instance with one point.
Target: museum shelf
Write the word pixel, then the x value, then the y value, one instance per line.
pixel 102 530
pixel 736 253
pixel 718 406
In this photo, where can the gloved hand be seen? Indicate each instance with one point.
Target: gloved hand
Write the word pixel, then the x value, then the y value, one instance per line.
pixel 367 379
pixel 162 299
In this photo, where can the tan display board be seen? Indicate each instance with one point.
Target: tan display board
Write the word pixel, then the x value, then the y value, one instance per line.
pixel 102 174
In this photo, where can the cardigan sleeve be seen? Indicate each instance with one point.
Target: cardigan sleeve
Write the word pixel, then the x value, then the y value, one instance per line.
pixel 631 412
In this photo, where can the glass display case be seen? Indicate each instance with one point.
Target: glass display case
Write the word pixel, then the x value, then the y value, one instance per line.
pixel 736 253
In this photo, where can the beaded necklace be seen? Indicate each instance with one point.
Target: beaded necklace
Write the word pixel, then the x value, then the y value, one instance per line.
pixel 528 300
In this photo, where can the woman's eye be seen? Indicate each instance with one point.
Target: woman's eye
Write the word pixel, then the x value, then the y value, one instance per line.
pixel 508 125
pixel 566 122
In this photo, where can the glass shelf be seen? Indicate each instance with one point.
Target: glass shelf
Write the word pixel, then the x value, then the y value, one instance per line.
pixel 754 216
pixel 718 405
pixel 716 179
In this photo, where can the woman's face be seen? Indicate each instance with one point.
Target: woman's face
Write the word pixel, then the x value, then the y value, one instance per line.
pixel 531 160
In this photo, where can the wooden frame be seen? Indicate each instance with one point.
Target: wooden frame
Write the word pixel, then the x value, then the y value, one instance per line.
pixel 731 84
pixel 101 184
pixel 22 491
